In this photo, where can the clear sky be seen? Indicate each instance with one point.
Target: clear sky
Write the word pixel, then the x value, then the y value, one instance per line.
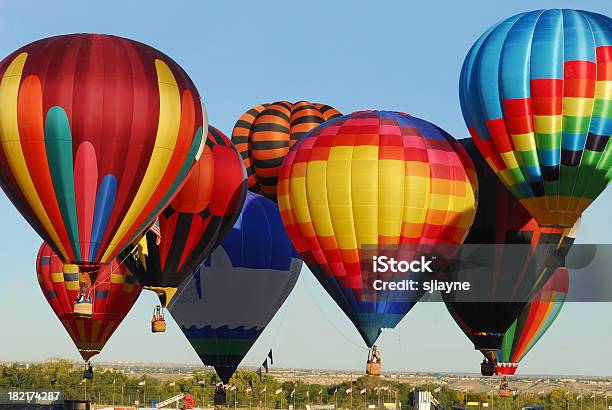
pixel 353 55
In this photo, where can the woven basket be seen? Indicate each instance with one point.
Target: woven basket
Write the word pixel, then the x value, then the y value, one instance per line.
pixel 374 369
pixel 83 309
pixel 158 326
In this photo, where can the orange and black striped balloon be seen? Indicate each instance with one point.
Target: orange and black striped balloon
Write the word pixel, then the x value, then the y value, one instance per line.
pixel 265 133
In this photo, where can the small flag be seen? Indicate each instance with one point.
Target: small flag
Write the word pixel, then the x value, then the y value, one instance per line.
pixel 142 383
pixel 113 381
pixel 336 391
pixel 83 381
pixel 278 391
pixel 259 372
pixel 220 384
pixel 232 388
pixel 593 396
pixel 349 390
pixel 174 384
pixel 156 231
pixel 270 356
pixel 263 390
pixel 540 393
pixel 363 391
pixel 579 396
pixel 320 392
pixel 250 385
pixel 265 365
pixel 437 390
pixel 292 393
pixel 248 390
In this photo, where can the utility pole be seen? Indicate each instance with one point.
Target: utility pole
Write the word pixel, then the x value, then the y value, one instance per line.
pixel 351 390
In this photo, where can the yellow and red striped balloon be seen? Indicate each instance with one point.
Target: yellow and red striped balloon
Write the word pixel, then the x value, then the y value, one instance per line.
pixel 265 133
pixel 372 179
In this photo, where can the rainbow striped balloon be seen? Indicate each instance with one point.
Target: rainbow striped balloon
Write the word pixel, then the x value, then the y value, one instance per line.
pixel 536 95
pixel 367 180
pixel 535 319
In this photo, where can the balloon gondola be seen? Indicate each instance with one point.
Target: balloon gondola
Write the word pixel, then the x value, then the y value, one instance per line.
pixel 374 363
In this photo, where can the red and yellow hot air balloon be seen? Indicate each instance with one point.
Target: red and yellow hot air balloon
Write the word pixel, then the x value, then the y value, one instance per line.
pixel 194 223
pixel 113 294
pixel 97 135
pixel 264 135
pixel 374 180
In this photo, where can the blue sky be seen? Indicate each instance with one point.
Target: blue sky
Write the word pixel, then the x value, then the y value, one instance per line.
pixel 353 55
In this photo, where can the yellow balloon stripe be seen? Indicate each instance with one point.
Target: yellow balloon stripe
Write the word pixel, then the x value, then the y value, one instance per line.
pixel 339 195
pixel 165 141
pixel 364 181
pixel 11 144
pixel 391 197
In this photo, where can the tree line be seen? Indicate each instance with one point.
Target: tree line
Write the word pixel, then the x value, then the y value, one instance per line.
pixel 249 389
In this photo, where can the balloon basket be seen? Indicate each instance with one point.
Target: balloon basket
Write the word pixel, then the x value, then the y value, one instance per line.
pixel 374 369
pixel 504 393
pixel 158 326
pixel 83 310
pixel 487 368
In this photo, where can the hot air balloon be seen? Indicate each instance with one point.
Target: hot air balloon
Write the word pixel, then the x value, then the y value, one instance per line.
pixel 235 293
pixel 98 133
pixel 113 294
pixel 369 182
pixel 193 224
pixel 507 258
pixel 264 134
pixel 535 319
pixel 535 95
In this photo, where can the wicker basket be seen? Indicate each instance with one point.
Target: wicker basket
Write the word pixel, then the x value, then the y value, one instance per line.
pixel 374 369
pixel 83 309
pixel 158 326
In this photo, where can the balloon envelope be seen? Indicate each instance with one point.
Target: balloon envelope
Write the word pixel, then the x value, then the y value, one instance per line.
pixel 195 222
pixel 113 294
pixel 369 182
pixel 507 257
pixel 265 133
pixel 535 95
pixel 98 133
pixel 235 293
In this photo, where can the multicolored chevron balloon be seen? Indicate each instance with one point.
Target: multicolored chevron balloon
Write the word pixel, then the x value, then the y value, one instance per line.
pixel 264 135
pixel 536 95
